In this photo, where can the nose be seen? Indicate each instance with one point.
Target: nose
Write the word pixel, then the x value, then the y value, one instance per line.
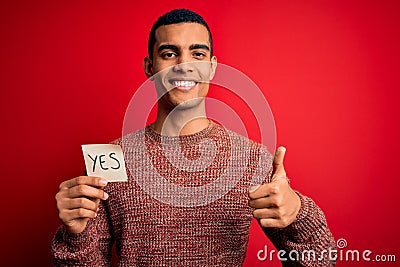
pixel 185 64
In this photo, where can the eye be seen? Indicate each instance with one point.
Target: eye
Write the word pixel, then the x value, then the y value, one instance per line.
pixel 199 55
pixel 169 55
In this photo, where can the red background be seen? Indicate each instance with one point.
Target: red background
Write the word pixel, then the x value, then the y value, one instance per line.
pixel 328 69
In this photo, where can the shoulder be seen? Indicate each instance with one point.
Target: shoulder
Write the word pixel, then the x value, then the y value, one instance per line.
pixel 257 155
pixel 131 138
pixel 252 145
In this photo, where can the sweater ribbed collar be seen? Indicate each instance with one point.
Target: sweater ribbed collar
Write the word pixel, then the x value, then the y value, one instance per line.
pixel 155 137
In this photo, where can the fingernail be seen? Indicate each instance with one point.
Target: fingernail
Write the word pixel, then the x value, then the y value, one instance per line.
pixel 105 195
pixel 95 215
pixel 253 188
pixel 103 182
pixel 97 210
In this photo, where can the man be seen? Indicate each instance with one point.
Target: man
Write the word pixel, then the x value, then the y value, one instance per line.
pixel 147 230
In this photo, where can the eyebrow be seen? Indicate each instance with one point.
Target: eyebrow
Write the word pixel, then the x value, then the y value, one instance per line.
pixel 176 48
pixel 199 46
pixel 168 47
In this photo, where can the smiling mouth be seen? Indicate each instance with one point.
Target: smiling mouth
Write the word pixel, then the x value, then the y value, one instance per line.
pixel 183 84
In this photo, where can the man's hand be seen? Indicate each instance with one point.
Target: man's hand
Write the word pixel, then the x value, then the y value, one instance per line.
pixel 275 203
pixel 78 200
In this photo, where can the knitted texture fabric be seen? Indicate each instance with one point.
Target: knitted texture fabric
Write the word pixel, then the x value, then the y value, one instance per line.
pixel 155 224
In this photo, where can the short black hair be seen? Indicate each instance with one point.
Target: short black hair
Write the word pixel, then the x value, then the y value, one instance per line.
pixel 174 17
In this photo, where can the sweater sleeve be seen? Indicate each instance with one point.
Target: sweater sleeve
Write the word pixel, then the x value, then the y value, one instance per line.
pixel 308 235
pixel 92 247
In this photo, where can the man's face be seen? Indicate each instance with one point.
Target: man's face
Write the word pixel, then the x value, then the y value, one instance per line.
pixel 182 61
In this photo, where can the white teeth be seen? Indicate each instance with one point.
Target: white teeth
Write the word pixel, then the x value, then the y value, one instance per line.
pixel 184 83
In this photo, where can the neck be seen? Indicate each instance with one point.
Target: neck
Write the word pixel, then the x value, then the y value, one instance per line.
pixel 181 121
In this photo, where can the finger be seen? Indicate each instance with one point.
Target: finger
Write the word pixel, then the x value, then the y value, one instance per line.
pixel 265 202
pixel 271 222
pixel 87 191
pixel 70 215
pixel 278 159
pixel 77 203
pixel 84 180
pixel 264 190
pixel 265 214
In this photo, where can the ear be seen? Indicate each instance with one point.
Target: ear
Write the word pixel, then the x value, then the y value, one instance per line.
pixel 148 67
pixel 213 67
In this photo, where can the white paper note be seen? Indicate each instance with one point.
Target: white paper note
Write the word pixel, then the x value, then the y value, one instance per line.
pixel 106 161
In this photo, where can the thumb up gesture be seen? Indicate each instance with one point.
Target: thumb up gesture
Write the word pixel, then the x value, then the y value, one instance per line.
pixel 275 203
